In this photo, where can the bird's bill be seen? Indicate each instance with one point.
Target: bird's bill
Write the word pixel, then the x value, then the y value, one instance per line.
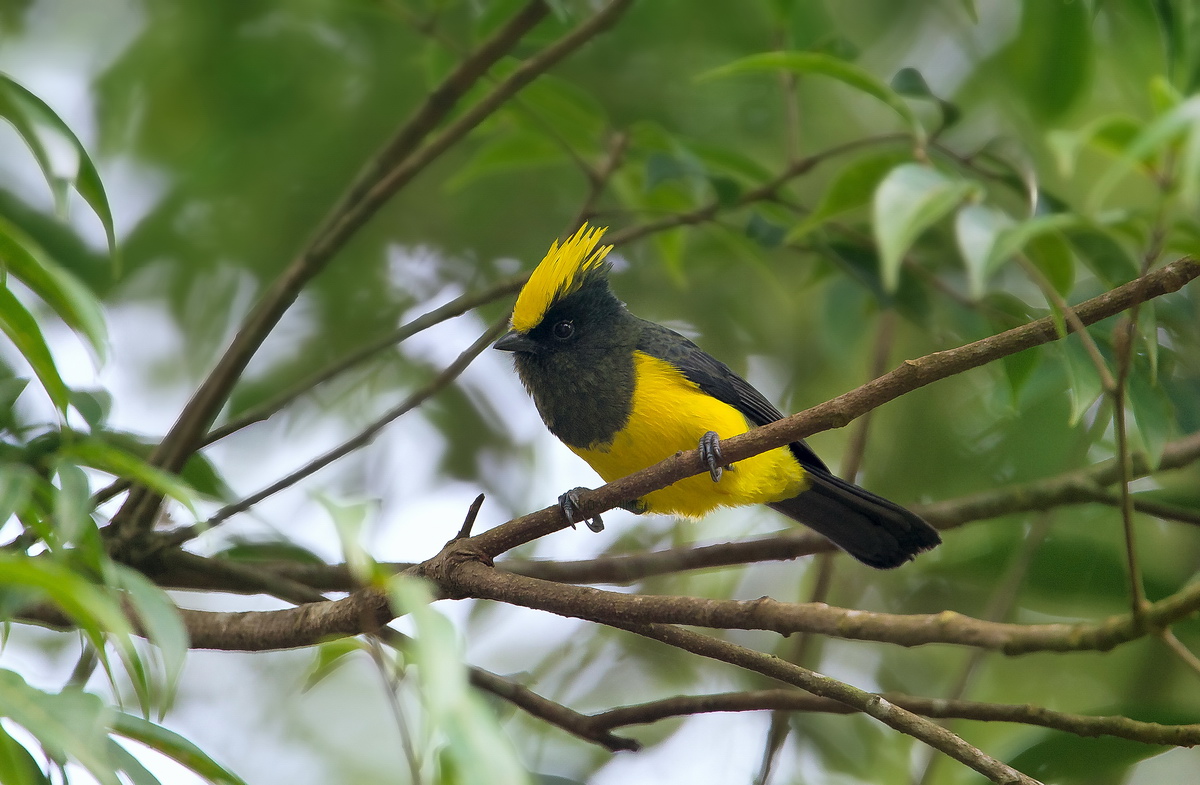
pixel 513 341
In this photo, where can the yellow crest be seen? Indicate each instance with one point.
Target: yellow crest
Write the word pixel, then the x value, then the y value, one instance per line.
pixel 562 272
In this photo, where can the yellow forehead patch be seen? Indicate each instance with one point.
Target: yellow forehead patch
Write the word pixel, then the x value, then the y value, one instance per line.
pixel 562 272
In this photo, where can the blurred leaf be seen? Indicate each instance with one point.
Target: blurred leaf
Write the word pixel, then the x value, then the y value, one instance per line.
pixel 159 621
pixel 72 503
pixel 909 81
pixel 1018 368
pixel 331 655
pixel 852 188
pixel 909 200
pixel 69 724
pixel 69 298
pixel 1152 140
pixel 977 228
pixel 174 746
pixel 1110 133
pixel 23 330
pixel 763 231
pixel 1106 257
pixel 512 152
pixel 101 453
pixel 64 161
pixel 1054 39
pixel 349 519
pixel 1050 253
pixel 477 744
pixel 1065 758
pixel 92 405
pixel 16 489
pixel 17 766
pixel 1085 382
pixel 825 65
pixel 1153 413
pixel 126 763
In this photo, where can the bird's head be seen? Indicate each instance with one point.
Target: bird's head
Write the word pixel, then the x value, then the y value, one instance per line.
pixel 566 306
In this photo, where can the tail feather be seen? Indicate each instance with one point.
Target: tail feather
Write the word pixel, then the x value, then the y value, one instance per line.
pixel 872 529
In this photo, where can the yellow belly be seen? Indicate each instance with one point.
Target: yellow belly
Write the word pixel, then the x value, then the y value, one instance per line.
pixel 670 414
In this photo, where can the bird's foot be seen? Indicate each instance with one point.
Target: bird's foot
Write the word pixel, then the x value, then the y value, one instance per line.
pixel 569 504
pixel 710 453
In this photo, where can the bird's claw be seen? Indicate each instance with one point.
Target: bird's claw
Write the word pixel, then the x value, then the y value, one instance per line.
pixel 710 453
pixel 569 504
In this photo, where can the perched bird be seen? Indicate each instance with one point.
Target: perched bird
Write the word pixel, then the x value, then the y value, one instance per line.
pixel 624 393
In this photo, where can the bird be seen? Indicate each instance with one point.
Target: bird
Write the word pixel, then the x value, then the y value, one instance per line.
pixel 624 393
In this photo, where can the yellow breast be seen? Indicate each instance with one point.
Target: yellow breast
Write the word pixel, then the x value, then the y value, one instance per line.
pixel 670 414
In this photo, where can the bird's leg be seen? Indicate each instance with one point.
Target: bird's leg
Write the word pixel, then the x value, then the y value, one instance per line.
pixel 710 453
pixel 569 504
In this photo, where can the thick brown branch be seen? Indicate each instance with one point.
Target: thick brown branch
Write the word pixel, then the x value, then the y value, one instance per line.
pixel 475 579
pixel 793 700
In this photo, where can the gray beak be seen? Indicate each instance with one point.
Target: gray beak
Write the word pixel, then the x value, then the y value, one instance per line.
pixel 513 341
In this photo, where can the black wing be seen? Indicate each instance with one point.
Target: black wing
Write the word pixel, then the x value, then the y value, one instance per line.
pixel 717 379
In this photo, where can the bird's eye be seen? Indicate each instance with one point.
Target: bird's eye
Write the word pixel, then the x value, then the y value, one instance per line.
pixel 564 330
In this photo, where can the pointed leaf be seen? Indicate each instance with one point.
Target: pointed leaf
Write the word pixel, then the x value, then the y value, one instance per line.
pixel 59 153
pixel 851 188
pixel 976 228
pixel 61 290
pixel 22 329
pixel 826 65
pixel 174 746
pixel 910 199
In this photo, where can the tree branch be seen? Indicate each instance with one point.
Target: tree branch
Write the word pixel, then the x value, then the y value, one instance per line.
pixel 939 708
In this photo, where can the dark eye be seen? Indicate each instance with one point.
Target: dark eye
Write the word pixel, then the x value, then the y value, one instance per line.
pixel 563 330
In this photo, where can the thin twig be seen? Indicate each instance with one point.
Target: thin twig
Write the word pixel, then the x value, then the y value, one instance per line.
pixel 358 441
pixel 875 706
pixel 941 708
pixel 469 522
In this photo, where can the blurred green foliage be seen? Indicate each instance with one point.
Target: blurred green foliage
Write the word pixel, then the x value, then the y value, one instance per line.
pixel 936 153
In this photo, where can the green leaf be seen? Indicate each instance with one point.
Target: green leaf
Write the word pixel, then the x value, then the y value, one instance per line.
pixel 1084 379
pixel 126 763
pixel 72 503
pixel 69 724
pixel 512 152
pixel 1018 369
pixel 977 228
pixel 17 766
pixel 22 329
pixel 160 621
pixel 910 199
pixel 349 518
pixel 1184 118
pixel 63 159
pixel 804 63
pixel 174 746
pixel 1153 413
pixel 99 453
pixel 92 405
pixel 1110 134
pixel 1014 239
pixel 477 745
pixel 1050 253
pixel 17 482
pixel 764 231
pixel 61 290
pixel 851 188
pixel 330 656
pixel 1106 257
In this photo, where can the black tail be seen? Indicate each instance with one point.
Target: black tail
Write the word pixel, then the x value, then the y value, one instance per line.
pixel 872 529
